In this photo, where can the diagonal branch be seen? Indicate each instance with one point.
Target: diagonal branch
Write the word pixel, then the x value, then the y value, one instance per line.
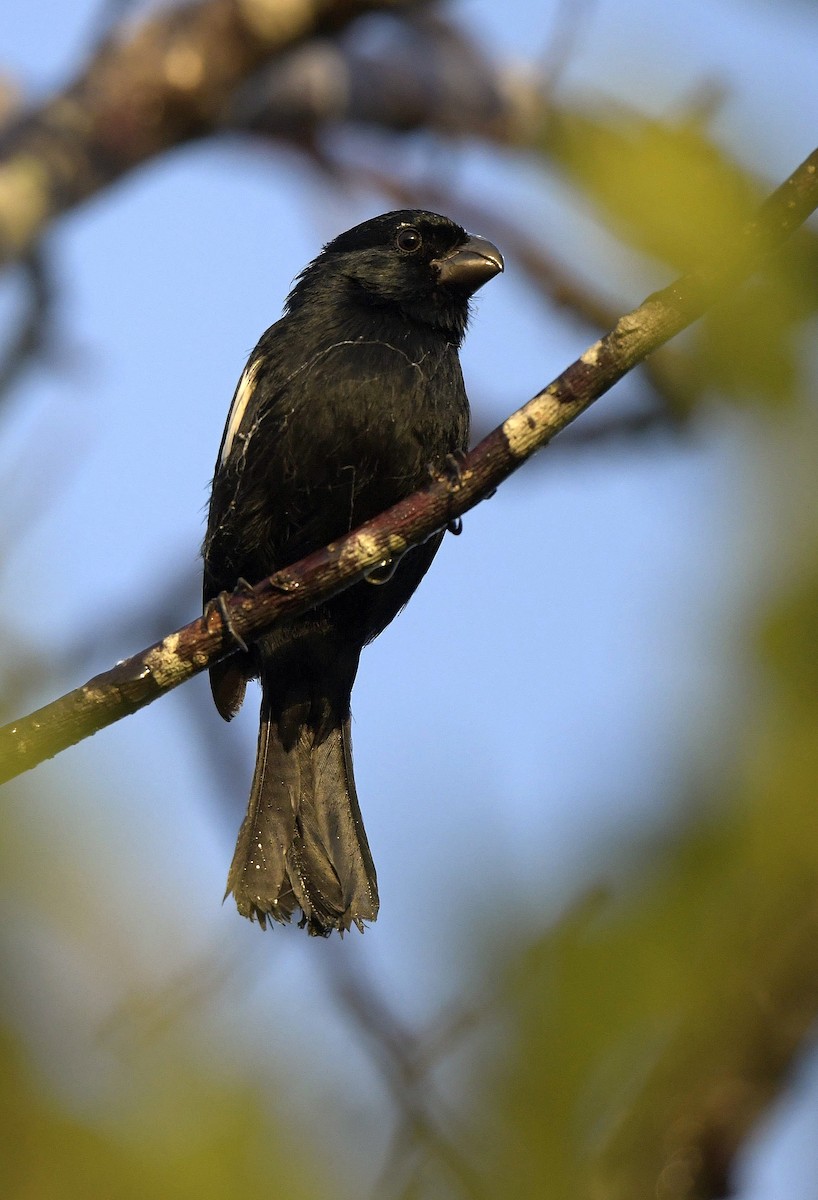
pixel 141 679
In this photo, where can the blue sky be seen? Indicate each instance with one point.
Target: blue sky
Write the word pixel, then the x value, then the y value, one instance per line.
pixel 561 659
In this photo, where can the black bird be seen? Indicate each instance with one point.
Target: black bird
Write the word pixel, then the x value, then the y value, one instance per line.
pixel 345 406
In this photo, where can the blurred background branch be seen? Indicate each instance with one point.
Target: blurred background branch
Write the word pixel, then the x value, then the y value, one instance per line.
pixel 149 86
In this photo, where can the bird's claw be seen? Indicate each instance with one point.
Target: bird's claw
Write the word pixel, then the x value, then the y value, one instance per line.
pixel 220 603
pixel 453 467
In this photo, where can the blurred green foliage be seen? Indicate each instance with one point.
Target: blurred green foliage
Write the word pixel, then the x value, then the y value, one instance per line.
pixel 670 193
pixel 183 1132
pixel 651 1029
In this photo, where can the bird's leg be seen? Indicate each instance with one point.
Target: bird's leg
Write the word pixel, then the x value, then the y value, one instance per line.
pixel 453 475
pixel 453 468
pixel 220 602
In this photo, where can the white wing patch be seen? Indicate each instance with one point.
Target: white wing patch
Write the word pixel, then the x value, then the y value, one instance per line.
pixel 241 399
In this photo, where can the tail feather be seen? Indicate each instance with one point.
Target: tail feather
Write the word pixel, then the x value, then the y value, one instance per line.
pixel 302 843
pixel 330 853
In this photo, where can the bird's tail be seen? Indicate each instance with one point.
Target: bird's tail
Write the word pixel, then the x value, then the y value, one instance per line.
pixel 303 843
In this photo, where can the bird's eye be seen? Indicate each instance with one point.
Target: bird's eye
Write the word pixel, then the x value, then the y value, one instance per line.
pixel 408 239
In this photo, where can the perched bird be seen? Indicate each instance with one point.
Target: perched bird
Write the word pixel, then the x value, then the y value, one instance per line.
pixel 346 405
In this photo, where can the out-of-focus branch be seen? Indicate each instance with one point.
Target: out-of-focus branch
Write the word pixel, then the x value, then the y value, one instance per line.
pixel 34 327
pixel 568 25
pixel 406 1059
pixel 428 76
pixel 156 84
pixel 141 679
pixel 691 1122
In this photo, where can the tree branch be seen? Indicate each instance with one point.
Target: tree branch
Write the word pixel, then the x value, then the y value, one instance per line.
pixel 141 679
pixel 428 75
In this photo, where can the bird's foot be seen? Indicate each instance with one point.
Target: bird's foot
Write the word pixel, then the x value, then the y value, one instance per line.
pixel 452 474
pixel 453 468
pixel 220 604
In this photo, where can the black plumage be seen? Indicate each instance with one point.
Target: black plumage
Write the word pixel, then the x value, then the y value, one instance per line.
pixel 345 406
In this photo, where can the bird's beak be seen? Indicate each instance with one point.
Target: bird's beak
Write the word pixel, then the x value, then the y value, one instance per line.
pixel 470 265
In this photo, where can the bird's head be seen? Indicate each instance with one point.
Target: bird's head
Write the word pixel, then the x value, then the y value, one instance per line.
pixel 417 263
